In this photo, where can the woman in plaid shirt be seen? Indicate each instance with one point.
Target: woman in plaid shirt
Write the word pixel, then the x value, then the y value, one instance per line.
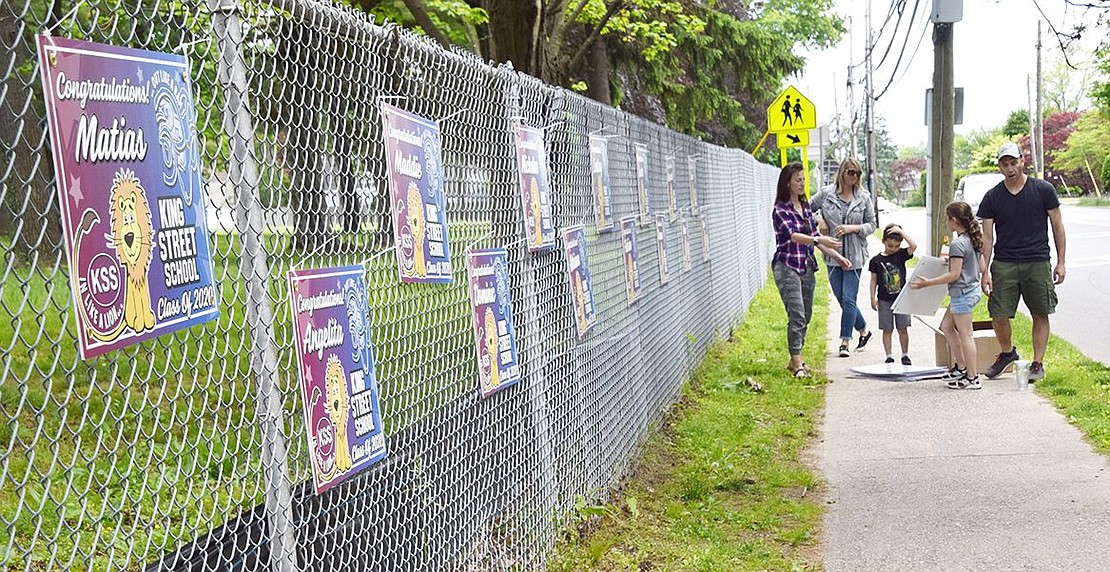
pixel 794 265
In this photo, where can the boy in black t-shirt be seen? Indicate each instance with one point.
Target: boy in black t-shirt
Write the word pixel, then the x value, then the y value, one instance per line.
pixel 888 276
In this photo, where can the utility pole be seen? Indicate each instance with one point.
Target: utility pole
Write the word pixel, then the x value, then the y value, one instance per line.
pixel 1032 120
pixel 1038 156
pixel 945 14
pixel 851 94
pixel 870 95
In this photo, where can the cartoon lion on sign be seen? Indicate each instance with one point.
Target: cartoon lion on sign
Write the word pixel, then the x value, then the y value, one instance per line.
pixel 415 213
pixel 490 323
pixel 338 408
pixel 132 236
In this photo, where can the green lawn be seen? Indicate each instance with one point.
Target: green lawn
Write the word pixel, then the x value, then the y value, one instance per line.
pixel 141 450
pixel 721 486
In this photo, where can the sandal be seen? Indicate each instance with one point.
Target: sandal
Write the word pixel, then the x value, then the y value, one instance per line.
pixel 800 371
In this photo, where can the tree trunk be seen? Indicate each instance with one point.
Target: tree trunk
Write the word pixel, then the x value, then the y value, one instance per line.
pixel 512 31
pixel 29 213
pixel 598 88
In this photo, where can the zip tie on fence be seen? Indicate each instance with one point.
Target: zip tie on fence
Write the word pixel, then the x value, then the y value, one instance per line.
pixel 376 255
pixel 550 125
pixel 305 258
pixel 184 45
pixel 46 31
pixel 516 242
pixel 402 97
pixel 449 116
pixel 470 245
pixel 591 133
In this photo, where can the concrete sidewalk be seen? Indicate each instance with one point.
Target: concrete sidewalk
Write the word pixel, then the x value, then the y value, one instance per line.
pixel 921 477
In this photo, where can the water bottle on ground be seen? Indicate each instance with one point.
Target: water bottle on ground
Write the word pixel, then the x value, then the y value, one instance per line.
pixel 1021 374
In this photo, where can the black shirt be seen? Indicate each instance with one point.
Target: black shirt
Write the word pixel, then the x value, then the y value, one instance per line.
pixel 891 271
pixel 1021 220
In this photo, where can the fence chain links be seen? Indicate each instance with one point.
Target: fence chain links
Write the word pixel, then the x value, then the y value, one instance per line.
pixel 187 452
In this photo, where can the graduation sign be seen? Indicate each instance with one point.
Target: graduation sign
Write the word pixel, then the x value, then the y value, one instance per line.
pixel 123 132
pixel 414 159
pixel 492 311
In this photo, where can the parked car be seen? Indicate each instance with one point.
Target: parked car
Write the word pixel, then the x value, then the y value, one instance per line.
pixel 973 187
pixel 884 205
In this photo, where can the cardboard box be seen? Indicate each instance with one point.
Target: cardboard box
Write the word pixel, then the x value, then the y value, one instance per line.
pixel 986 346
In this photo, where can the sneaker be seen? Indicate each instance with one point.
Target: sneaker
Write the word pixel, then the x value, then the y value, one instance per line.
pixel 965 382
pixel 844 350
pixel 955 372
pixel 906 360
pixel 863 341
pixel 1036 371
pixel 1003 360
pixel 889 360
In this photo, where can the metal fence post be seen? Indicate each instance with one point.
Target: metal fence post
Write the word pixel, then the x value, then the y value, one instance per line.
pixel 226 26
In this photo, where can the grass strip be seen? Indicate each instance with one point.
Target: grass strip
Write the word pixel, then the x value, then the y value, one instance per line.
pixel 721 485
pixel 1077 385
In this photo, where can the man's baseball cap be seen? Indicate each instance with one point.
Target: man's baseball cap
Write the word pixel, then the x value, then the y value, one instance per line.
pixel 1009 150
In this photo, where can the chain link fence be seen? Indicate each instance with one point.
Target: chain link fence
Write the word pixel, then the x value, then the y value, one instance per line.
pixel 187 452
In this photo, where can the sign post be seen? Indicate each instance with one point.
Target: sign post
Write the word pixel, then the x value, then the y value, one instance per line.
pixel 790 117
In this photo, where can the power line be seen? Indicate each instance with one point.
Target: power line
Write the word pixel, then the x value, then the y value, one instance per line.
pixel 901 7
pixel 905 70
pixel 902 52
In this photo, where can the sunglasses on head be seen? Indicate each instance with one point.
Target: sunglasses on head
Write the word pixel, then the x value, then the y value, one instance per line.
pixel 853 172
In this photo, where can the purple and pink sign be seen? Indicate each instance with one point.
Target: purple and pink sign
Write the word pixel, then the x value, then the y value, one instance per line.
pixel 686 261
pixel 414 159
pixel 632 288
pixel 535 191
pixel 581 285
pixel 494 333
pixel 599 182
pixel 336 364
pixel 123 132
pixel 692 176
pixel 668 170
pixel 661 245
pixel 703 218
pixel 641 183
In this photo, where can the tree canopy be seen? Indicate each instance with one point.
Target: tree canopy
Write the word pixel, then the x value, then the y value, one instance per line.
pixel 706 68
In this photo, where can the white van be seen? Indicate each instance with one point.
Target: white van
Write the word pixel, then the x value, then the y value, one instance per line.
pixel 973 187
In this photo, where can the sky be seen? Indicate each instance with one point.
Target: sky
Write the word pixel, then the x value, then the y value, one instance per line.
pixel 994 51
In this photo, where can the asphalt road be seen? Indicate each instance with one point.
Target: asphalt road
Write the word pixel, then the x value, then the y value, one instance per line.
pixel 1083 314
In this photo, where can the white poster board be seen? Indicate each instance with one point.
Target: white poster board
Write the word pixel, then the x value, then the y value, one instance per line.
pixel 926 300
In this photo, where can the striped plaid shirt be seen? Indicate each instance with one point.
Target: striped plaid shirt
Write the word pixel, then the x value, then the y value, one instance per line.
pixel 787 221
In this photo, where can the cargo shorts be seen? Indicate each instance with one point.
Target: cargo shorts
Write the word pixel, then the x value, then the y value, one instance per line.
pixel 1030 281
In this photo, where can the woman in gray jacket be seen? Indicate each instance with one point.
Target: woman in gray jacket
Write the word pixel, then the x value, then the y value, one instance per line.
pixel 849 215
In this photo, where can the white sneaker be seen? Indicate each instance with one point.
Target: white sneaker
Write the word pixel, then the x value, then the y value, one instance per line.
pixel 953 373
pixel 965 382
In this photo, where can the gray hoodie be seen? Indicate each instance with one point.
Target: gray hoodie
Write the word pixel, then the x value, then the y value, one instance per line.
pixel 837 212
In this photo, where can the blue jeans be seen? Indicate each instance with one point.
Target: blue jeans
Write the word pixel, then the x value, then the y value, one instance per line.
pixel 845 286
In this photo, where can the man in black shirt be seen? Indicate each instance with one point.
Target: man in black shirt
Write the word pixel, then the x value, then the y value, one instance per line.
pixel 1016 214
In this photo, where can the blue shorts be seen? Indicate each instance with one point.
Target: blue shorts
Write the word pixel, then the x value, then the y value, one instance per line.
pixel 964 303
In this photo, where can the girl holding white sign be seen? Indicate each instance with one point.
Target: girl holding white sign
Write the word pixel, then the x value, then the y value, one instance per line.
pixel 963 290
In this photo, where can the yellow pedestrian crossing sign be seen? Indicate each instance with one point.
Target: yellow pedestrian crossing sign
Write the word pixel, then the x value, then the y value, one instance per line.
pixel 791 112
